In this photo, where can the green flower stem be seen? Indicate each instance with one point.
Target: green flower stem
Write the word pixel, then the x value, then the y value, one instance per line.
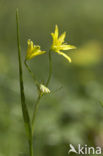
pixel 32 74
pixel 35 111
pixel 50 68
pixel 39 96
pixel 23 104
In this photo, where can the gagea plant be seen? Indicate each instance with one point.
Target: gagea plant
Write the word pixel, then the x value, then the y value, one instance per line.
pixel 58 45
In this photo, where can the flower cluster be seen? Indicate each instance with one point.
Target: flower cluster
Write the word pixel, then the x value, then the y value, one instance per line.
pixel 57 46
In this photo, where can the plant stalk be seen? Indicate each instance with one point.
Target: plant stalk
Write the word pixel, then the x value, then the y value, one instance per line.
pixel 35 111
pixel 32 74
pixel 23 104
pixel 50 68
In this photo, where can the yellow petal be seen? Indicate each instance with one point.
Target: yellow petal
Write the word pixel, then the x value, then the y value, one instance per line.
pixel 35 48
pixel 66 56
pixel 56 31
pixel 67 47
pixel 55 35
pixel 30 48
pixel 36 54
pixel 30 44
pixel 61 38
pixel 54 38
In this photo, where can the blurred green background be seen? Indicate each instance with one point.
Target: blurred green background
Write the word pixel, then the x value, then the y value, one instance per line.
pixel 71 113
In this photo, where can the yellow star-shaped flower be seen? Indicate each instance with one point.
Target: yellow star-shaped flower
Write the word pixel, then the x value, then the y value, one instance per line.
pixel 59 44
pixel 33 50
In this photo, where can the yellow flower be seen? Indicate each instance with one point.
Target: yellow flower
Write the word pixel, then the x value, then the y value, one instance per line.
pixel 59 44
pixel 33 50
